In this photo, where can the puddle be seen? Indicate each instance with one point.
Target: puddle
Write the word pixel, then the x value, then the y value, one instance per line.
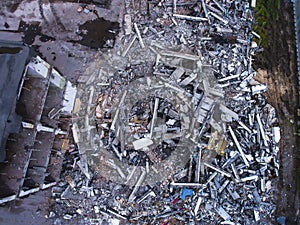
pixel 31 31
pixel 8 50
pixel 96 33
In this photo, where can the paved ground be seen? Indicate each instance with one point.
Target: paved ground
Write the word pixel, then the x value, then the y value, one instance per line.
pixel 29 211
pixel 60 33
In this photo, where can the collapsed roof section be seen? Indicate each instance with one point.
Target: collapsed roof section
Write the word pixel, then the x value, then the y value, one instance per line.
pixel 40 104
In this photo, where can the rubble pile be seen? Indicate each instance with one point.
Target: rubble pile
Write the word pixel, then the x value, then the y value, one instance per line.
pixel 183 134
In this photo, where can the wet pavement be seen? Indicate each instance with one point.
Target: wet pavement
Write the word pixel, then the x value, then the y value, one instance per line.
pixel 31 210
pixel 60 32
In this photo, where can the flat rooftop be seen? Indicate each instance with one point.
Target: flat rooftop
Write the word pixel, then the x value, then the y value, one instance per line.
pixel 13 57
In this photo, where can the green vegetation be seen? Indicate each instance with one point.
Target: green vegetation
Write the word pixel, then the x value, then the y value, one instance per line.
pixel 265 12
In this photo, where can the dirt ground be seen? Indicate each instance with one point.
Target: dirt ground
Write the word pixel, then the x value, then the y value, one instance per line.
pixel 279 71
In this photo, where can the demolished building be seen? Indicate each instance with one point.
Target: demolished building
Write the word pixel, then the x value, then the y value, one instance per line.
pixel 222 137
pixel 36 108
pixel 171 127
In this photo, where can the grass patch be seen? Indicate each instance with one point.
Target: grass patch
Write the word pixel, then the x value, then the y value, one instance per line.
pixel 265 12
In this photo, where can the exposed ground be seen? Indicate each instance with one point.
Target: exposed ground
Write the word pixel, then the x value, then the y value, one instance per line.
pixel 279 71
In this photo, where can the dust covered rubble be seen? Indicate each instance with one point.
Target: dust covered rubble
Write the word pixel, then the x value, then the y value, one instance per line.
pixel 189 64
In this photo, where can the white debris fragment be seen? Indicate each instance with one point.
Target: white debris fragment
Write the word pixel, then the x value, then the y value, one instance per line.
pixel 142 143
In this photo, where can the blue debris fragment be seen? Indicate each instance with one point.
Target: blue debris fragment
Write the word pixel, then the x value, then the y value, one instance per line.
pixel 281 220
pixel 185 192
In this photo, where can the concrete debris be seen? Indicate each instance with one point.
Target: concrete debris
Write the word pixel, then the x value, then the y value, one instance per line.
pixel 142 143
pixel 192 137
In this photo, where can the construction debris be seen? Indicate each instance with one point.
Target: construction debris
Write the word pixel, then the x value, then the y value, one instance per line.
pixel 183 133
